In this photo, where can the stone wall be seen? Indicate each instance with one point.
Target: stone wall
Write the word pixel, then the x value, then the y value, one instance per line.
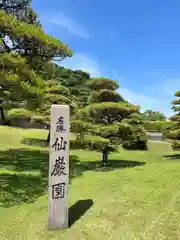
pixel 24 123
pixel 155 136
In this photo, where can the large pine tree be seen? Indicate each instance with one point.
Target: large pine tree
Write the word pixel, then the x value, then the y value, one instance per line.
pixel 25 53
pixel 54 93
pixel 174 134
pixel 110 116
pixel 76 81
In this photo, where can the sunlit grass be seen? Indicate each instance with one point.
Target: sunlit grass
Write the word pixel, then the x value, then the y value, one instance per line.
pixel 136 198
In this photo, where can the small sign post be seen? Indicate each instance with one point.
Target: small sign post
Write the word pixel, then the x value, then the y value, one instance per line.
pixel 58 168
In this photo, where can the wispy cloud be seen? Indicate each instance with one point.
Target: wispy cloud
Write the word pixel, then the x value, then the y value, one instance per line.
pixel 147 102
pixel 69 24
pixel 83 62
pixel 156 102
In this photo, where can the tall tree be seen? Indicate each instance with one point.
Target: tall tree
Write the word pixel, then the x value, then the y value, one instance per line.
pixel 174 134
pixel 18 8
pixel 76 81
pixel 108 114
pixel 54 93
pixel 19 85
pixel 25 41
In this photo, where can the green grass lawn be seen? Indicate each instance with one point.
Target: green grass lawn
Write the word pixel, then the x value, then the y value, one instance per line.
pixel 138 197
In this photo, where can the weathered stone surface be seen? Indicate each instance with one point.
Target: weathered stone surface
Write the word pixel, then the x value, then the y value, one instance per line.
pixel 58 168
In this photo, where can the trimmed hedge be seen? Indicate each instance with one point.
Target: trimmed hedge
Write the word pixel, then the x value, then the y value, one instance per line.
pixel 176 145
pixel 19 112
pixel 135 145
pixel 157 126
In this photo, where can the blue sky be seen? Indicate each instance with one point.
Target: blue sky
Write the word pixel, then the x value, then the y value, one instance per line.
pixel 136 43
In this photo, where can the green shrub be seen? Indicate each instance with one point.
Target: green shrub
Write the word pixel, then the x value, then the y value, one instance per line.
pixel 19 112
pixel 176 145
pixel 135 145
pixel 165 129
pixel 157 126
pixel 41 119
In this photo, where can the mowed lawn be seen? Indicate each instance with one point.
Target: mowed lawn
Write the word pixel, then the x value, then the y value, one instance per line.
pixel 138 197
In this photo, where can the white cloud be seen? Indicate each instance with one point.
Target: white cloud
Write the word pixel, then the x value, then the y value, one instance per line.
pixel 73 27
pixel 83 62
pixel 88 64
pixel 147 102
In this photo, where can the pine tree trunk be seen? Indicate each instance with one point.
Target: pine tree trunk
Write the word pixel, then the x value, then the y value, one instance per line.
pixel 2 115
pixel 81 136
pixel 104 157
pixel 48 138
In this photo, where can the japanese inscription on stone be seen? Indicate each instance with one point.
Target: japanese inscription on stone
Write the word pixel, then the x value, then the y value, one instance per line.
pixel 58 167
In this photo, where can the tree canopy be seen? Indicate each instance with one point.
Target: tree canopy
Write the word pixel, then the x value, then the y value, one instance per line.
pixel 107 116
pixel 76 81
pixel 26 53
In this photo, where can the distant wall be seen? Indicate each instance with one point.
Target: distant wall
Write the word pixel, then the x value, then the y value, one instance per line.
pixel 155 136
pixel 24 123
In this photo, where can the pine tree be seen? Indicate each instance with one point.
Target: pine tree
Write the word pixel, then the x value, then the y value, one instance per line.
pixel 19 85
pixel 174 134
pixel 55 93
pixel 17 8
pixel 76 81
pixel 25 53
pixel 109 114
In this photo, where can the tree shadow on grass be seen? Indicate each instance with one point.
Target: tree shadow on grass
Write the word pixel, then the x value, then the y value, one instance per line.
pixel 113 165
pixel 20 188
pixel 32 160
pixel 173 156
pixel 77 210
pixel 27 178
